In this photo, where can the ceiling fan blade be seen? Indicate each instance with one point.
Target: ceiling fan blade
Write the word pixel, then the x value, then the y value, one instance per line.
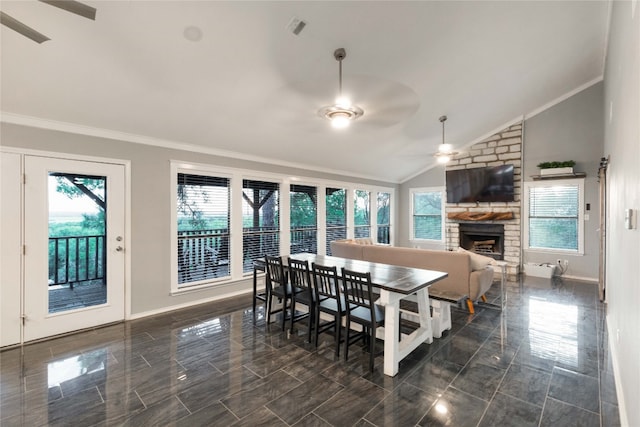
pixel 74 7
pixel 21 28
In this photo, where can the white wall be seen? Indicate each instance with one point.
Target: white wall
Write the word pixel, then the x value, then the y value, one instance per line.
pixel 570 130
pixel 151 197
pixel 622 143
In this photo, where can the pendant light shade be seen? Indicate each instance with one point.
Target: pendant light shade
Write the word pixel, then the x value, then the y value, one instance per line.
pixel 342 112
pixel 445 151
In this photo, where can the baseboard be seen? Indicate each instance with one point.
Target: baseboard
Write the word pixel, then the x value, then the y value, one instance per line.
pixel 622 407
pixel 580 278
pixel 188 304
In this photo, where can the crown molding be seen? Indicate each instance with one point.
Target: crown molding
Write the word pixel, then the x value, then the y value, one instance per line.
pixel 55 125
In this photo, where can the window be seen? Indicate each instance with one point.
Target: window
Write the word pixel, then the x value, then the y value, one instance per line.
pixel 303 218
pixel 384 218
pixel 203 228
pixel 260 221
pixel 361 217
pixel 336 205
pixel 427 209
pixel 553 215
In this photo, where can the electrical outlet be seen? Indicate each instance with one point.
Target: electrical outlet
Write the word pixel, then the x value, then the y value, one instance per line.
pixel 565 263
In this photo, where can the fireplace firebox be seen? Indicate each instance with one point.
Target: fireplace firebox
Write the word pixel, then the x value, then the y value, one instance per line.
pixel 483 238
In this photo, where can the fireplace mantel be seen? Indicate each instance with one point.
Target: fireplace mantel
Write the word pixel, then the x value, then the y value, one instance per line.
pixel 480 216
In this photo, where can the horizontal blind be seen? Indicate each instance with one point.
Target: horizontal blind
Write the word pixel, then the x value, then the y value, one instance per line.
pixel 361 217
pixel 203 227
pixel 384 217
pixel 336 216
pixel 303 218
pixel 553 217
pixel 260 221
pixel 427 215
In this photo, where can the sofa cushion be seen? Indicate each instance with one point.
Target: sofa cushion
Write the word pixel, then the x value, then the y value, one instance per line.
pixel 478 262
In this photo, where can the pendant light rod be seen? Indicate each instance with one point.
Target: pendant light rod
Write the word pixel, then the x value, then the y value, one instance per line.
pixel 341 112
pixel 340 54
pixel 442 120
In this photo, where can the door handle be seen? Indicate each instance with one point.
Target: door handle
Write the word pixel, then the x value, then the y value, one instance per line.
pixel 119 249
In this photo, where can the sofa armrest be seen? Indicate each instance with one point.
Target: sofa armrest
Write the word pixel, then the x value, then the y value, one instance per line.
pixel 479 282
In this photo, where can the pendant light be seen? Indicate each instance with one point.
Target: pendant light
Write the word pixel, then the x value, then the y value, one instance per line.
pixel 445 151
pixel 342 112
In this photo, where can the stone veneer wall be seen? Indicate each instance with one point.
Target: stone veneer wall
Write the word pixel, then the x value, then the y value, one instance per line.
pixel 504 147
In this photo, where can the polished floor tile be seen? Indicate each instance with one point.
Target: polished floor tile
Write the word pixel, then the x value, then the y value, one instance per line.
pixel 544 361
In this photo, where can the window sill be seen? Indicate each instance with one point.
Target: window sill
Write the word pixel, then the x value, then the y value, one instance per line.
pixel 208 286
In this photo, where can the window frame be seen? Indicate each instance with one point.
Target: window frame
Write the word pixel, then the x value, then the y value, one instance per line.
pixel 443 196
pixel 578 182
pixel 236 177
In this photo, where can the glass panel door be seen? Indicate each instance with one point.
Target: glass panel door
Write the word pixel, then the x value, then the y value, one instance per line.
pixel 74 245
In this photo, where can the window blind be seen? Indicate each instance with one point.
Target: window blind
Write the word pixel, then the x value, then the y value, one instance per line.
pixel 553 217
pixel 361 217
pixel 303 219
pixel 427 215
pixel 336 217
pixel 260 221
pixel 203 228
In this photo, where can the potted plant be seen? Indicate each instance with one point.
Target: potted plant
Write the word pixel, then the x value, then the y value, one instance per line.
pixel 557 168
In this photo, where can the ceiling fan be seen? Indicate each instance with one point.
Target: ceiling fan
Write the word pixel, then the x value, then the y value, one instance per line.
pixel 68 5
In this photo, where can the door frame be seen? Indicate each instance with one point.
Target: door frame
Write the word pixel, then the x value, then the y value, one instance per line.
pixel 127 212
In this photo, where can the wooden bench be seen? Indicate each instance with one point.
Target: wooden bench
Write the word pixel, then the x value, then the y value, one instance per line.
pixel 440 302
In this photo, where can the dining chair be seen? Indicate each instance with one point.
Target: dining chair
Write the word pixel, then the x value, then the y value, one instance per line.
pixel 278 285
pixel 326 286
pixel 362 309
pixel 300 279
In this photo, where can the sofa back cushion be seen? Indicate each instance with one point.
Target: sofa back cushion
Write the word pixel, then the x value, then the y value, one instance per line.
pixel 457 265
pixel 346 249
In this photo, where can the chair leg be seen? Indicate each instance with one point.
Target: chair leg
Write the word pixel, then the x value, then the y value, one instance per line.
pixel 317 325
pixel 484 298
pixel 284 311
pixel 470 306
pixel 338 328
pixel 372 345
pixel 293 310
pixel 311 317
pixel 267 306
pixel 346 338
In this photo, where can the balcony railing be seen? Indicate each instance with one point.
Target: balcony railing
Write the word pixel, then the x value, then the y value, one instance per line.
pixel 76 259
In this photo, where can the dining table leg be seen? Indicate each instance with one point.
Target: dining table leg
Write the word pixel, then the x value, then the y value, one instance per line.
pixel 396 349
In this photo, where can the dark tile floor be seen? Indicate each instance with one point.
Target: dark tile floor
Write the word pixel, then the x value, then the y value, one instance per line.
pixel 545 362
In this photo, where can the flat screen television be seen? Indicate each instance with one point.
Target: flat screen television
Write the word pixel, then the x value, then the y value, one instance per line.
pixel 484 184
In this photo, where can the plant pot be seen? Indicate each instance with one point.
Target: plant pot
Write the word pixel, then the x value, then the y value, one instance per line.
pixel 556 171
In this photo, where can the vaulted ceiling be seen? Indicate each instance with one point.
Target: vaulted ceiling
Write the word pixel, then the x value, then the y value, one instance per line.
pixel 232 78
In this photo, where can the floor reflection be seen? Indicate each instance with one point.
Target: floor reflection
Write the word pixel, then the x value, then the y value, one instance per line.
pixel 71 368
pixel 553 330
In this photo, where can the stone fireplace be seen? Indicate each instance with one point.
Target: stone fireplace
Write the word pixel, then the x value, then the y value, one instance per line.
pixel 467 223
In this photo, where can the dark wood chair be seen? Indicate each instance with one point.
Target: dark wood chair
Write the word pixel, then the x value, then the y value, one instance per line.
pixel 326 286
pixel 361 309
pixel 278 286
pixel 300 279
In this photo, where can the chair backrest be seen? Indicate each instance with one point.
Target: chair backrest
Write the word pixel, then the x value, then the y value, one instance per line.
pixel 325 282
pixel 275 271
pixel 299 273
pixel 357 289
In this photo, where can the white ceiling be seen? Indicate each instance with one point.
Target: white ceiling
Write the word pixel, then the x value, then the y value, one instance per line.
pixel 251 87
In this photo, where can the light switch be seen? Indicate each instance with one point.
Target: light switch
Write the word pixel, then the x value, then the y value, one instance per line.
pixel 629 219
